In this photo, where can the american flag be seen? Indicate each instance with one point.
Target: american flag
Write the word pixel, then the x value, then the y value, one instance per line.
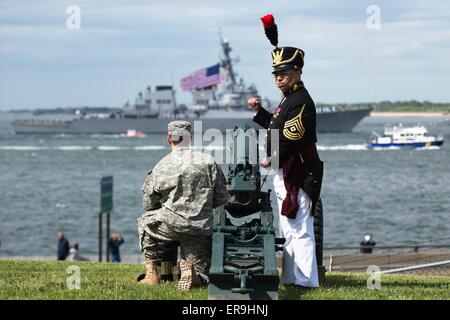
pixel 201 78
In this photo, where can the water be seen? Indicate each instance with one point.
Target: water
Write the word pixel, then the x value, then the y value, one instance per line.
pixel 51 183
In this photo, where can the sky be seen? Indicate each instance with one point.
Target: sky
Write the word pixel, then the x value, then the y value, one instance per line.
pixel 122 47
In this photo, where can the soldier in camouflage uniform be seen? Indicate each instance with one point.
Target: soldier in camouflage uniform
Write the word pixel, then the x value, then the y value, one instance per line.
pixel 179 195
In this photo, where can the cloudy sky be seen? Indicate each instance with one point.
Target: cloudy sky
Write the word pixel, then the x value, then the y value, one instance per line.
pixel 124 46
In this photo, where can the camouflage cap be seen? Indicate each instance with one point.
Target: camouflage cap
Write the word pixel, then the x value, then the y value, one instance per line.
pixel 178 128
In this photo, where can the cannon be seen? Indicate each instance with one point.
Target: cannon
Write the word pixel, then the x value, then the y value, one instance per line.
pixel 244 263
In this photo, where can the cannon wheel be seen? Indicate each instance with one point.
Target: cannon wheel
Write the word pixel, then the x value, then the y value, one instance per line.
pixel 318 235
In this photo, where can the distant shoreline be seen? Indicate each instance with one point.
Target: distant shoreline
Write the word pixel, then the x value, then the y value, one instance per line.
pixel 406 114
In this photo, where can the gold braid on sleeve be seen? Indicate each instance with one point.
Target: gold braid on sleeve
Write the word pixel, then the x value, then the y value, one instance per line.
pixel 294 129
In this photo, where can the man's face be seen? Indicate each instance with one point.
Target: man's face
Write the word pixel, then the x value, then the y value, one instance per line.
pixel 285 80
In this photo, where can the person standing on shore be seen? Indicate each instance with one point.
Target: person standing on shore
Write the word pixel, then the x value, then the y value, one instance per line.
pixel 74 253
pixel 367 244
pixel 114 243
pixel 63 247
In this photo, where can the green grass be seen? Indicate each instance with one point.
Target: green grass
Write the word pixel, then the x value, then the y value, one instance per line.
pixel 47 280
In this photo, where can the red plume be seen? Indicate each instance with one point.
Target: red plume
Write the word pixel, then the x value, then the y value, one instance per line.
pixel 270 29
pixel 268 21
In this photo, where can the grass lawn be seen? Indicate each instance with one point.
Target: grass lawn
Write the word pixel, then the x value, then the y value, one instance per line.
pixel 48 280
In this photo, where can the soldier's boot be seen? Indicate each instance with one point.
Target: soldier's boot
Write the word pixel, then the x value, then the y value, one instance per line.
pixel 188 278
pixel 151 276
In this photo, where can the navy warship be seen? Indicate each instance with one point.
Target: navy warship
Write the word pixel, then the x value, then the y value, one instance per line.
pixel 221 106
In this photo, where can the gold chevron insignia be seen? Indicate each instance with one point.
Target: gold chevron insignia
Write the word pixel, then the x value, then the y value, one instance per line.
pixel 277 56
pixel 294 129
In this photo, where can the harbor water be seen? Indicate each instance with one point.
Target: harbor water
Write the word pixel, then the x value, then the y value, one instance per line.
pixel 51 183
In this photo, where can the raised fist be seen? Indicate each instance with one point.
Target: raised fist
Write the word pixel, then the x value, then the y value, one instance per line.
pixel 255 103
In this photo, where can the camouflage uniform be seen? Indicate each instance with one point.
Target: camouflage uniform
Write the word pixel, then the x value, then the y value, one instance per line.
pixel 179 195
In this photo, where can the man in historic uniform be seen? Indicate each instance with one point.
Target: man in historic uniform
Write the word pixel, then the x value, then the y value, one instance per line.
pixel 298 178
pixel 179 195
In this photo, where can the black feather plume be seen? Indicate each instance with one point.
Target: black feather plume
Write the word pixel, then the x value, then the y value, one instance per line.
pixel 270 28
pixel 272 34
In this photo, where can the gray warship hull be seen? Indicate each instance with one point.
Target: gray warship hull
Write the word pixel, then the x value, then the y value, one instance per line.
pixel 333 121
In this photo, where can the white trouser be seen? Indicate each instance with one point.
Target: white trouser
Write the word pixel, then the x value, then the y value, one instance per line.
pixel 299 252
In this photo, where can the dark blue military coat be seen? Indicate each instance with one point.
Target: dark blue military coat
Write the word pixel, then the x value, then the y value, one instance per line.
pixel 295 119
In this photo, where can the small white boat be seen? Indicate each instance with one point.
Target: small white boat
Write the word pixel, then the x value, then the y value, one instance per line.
pixel 404 137
pixel 131 133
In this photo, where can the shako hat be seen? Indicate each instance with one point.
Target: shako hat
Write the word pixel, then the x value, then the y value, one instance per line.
pixel 283 58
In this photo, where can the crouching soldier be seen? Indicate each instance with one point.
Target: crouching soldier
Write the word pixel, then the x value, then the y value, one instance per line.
pixel 179 195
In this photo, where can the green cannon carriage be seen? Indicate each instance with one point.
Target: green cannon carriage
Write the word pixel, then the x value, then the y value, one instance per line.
pixel 244 262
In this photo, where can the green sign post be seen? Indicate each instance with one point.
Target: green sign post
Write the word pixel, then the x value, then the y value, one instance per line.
pixel 106 198
pixel 106 206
